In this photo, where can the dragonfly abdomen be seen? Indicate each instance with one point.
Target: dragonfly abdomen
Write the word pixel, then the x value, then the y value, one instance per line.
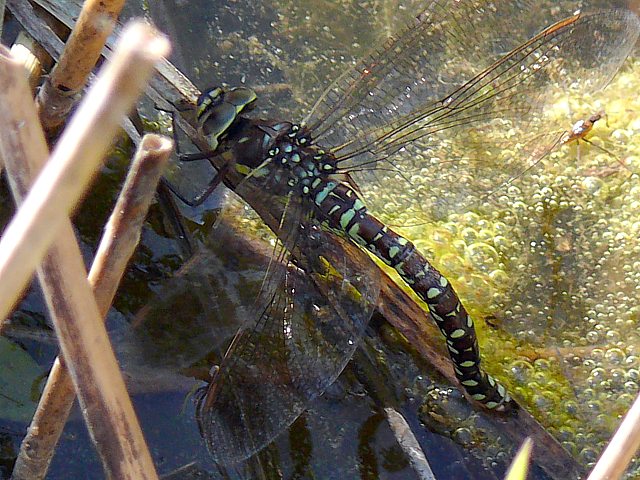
pixel 341 207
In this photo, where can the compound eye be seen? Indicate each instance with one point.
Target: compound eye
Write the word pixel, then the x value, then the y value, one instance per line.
pixel 219 119
pixel 208 100
pixel 218 109
pixel 242 98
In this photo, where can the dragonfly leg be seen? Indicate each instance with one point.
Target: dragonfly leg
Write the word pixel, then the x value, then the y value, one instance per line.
pixel 201 197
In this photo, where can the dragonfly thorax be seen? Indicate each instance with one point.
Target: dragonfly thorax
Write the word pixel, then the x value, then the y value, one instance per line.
pixel 281 158
pixel 279 155
pixel 294 161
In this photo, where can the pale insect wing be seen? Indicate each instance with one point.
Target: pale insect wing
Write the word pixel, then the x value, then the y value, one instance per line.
pixel 197 311
pixel 305 324
pixel 501 111
pixel 433 55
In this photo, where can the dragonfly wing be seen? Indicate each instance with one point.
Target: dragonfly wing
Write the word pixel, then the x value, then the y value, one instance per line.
pixel 438 52
pixel 196 311
pixel 421 102
pixel 304 326
pixel 452 67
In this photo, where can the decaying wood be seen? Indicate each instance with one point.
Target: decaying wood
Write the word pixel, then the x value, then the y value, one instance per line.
pixel 77 320
pixel 171 88
pixel 118 243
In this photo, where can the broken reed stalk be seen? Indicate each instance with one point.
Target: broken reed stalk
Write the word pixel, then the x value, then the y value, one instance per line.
pixel 75 159
pixel 409 444
pixel 77 320
pixel 621 448
pixel 62 89
pixel 118 243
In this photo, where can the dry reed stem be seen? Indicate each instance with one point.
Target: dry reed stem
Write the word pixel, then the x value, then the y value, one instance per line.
pixel 621 449
pixel 82 336
pixel 75 159
pixel 118 243
pixel 123 228
pixel 61 91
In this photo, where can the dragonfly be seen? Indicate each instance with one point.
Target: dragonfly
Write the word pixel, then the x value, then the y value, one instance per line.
pixel 428 84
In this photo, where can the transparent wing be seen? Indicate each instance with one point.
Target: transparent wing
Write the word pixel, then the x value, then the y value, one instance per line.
pixel 445 99
pixel 444 47
pixel 306 321
pixel 197 311
pixel 292 327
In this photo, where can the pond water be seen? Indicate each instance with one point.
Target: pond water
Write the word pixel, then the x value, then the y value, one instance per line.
pixel 547 267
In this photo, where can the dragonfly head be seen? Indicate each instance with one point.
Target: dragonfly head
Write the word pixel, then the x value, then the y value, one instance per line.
pixel 217 111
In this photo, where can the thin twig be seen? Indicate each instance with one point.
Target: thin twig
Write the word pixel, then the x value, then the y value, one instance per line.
pixel 119 240
pixel 75 160
pixel 409 444
pixel 61 91
pixel 621 449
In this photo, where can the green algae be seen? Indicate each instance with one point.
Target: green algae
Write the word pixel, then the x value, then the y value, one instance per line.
pixel 551 261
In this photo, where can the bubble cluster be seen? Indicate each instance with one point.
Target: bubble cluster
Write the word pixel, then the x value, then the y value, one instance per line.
pixel 550 260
